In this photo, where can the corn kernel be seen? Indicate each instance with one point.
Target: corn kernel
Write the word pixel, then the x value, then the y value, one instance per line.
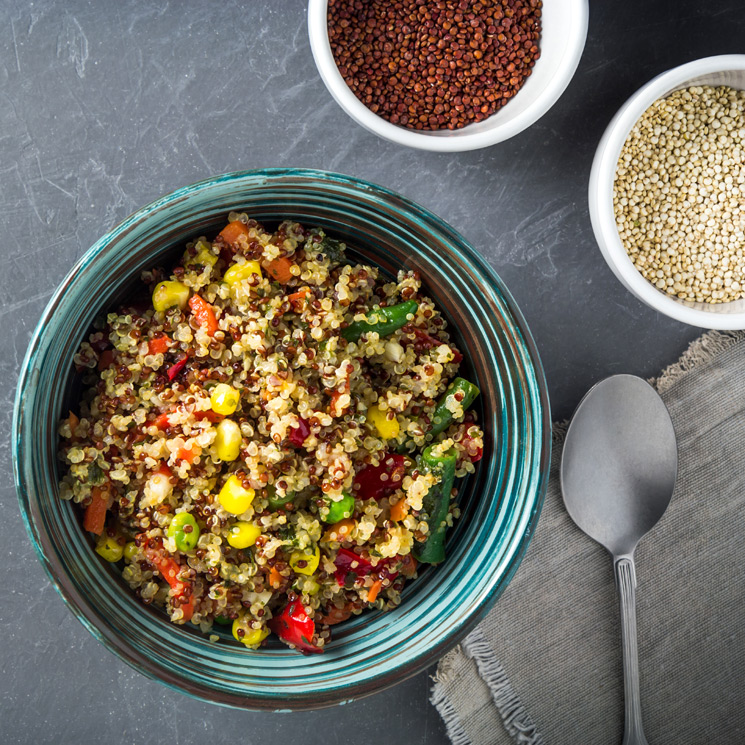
pixel 251 637
pixel 110 549
pixel 228 440
pixel 224 399
pixel 387 428
pixel 170 293
pixel 203 256
pixel 243 535
pixel 234 497
pixel 239 272
pixel 310 561
pixel 130 550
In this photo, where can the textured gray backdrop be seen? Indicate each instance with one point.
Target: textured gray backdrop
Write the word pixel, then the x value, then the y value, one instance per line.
pixel 107 105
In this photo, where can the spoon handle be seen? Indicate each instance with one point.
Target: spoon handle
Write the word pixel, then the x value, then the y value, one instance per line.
pixel 626 581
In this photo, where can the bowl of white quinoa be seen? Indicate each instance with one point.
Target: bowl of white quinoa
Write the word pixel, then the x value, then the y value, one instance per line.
pixel 667 193
pixel 232 423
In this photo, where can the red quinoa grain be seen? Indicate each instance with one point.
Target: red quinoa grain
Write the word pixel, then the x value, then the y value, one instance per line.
pixel 434 64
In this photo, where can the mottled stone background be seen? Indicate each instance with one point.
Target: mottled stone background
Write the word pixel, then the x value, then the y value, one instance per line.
pixel 107 105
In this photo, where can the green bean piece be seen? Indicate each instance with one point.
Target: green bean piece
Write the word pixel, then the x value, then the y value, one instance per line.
pixel 275 501
pixel 436 504
pixel 383 320
pixel 332 512
pixel 184 530
pixel 443 417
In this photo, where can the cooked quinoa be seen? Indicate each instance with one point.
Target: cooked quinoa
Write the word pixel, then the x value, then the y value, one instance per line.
pixel 262 444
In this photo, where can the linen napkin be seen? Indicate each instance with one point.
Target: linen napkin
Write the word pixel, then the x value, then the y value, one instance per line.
pixel 545 665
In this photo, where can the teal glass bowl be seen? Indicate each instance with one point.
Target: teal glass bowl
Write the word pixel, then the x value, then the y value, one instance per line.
pixel 500 502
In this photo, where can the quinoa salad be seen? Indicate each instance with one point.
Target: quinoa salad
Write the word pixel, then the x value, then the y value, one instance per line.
pixel 270 442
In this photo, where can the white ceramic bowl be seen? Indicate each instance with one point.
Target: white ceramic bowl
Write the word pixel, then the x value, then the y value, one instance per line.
pixel 562 41
pixel 723 70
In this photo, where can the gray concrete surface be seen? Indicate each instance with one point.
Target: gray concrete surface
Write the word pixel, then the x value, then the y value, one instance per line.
pixel 106 105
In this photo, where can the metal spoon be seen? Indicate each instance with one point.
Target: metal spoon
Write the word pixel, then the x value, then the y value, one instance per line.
pixel 617 477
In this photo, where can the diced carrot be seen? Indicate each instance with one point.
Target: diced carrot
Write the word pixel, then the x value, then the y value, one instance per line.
pixel 398 511
pixel 232 233
pixel 106 358
pixel 204 314
pixel 158 345
pixel 95 513
pixel 339 531
pixel 74 420
pixel 188 454
pixel 169 569
pixel 275 578
pixel 372 593
pixel 279 269
pixel 297 299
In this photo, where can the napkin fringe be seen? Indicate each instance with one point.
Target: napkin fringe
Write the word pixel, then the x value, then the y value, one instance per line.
pixel 440 701
pixel 699 351
pixel 517 721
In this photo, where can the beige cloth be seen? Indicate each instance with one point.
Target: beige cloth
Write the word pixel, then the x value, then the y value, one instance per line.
pixel 545 665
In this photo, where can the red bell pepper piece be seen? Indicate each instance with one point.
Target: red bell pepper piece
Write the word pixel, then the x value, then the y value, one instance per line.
pixel 348 562
pixel 204 314
pixel 161 421
pixel 176 368
pixel 294 626
pixel 298 434
pixel 369 484
pixel 158 345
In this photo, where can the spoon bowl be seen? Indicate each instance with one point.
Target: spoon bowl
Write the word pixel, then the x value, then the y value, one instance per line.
pixel 620 462
pixel 618 473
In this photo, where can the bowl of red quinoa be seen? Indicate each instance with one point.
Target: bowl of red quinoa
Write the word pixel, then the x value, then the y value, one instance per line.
pixel 151 597
pixel 448 75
